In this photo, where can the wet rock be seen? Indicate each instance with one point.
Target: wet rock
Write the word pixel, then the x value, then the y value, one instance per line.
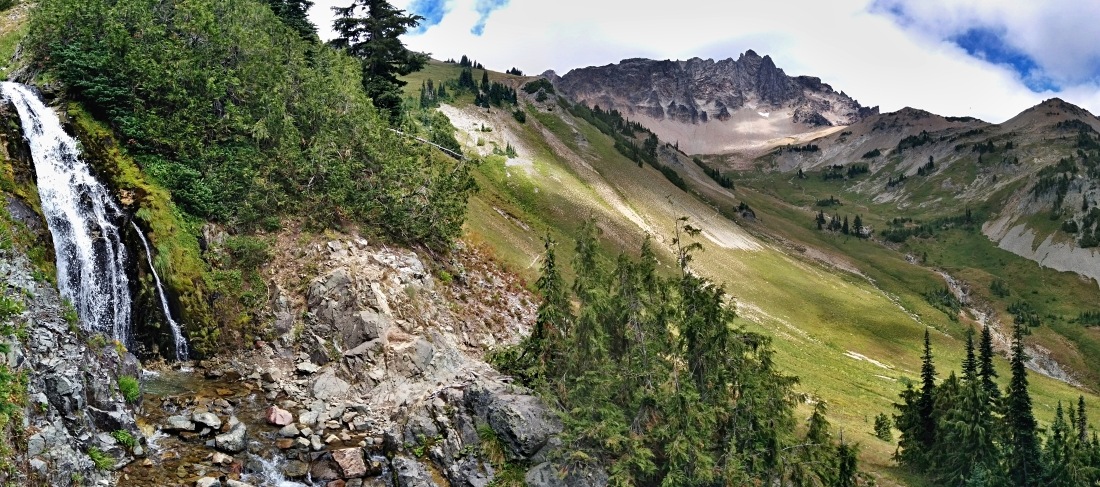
pixel 232 441
pixel 284 443
pixel 295 469
pixel 179 423
pixel 208 482
pixel 220 458
pixel 278 416
pixel 315 443
pixel 236 483
pixel 289 431
pixel 351 462
pixel 210 420
pixel 324 470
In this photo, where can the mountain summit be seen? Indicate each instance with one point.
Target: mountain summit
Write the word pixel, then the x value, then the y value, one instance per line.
pixel 715 106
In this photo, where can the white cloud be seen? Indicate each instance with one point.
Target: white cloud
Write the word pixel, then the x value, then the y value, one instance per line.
pixel 866 54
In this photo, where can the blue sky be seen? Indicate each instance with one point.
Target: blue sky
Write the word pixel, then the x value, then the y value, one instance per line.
pixel 985 58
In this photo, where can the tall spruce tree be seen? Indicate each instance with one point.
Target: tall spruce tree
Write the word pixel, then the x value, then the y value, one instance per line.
pixel 986 371
pixel 970 363
pixel 370 30
pixel 926 403
pixel 1023 454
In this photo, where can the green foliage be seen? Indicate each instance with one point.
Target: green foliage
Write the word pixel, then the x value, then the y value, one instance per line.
pixel 520 115
pixel 654 379
pixel 541 84
pixel 243 120
pixel 370 31
pixel 124 438
pixel 871 154
pixel 9 307
pixel 294 13
pixel 723 180
pixel 999 288
pixel 68 312
pixel 944 300
pixel 101 460
pixel 129 387
pixel 883 426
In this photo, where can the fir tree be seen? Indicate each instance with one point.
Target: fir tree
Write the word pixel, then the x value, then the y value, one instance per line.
pixel 970 363
pixel 370 30
pixel 926 404
pixel 1024 467
pixel 986 371
pixel 294 13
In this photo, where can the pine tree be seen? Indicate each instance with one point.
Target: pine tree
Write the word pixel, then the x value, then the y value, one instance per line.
pixel 986 371
pixel 294 13
pixel 970 363
pixel 1082 425
pixel 844 229
pixel 1024 467
pixel 858 226
pixel 926 404
pixel 369 30
pixel 1056 451
pixel 968 430
pixel 485 82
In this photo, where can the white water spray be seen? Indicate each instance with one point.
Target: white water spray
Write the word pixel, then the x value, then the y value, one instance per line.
pixel 81 216
pixel 177 333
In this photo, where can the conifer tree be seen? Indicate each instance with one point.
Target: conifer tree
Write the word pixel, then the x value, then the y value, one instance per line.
pixel 1022 455
pixel 968 432
pixel 986 371
pixel 294 13
pixel 970 363
pixel 926 404
pixel 369 30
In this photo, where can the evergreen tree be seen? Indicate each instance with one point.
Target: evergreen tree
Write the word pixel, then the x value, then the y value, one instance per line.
pixel 858 226
pixel 1082 425
pixel 485 82
pixel 294 13
pixel 1022 450
pixel 970 363
pixel 1056 451
pixel 986 371
pixel 968 431
pixel 926 403
pixel 370 30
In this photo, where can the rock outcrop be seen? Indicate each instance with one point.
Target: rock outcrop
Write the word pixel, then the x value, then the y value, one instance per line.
pixel 75 413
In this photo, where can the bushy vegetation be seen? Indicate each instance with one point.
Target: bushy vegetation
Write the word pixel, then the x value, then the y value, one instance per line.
pixel 964 431
pixel 129 387
pixel 871 154
pixel 656 383
pixel 541 84
pixel 723 180
pixel 242 119
pixel 914 141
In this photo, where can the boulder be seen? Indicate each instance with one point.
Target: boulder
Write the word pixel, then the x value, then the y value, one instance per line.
pixel 351 462
pixel 179 423
pixel 551 475
pixel 289 431
pixel 232 441
pixel 411 473
pixel 523 424
pixel 278 416
pixel 328 386
pixel 295 469
pixel 207 419
pixel 324 470
pixel 208 482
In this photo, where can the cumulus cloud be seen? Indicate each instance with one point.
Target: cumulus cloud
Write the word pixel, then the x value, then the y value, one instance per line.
pixel 893 53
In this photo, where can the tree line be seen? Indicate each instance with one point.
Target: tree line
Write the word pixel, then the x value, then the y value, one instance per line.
pixel 658 385
pixel 965 431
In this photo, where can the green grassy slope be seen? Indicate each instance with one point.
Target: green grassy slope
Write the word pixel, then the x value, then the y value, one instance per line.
pixel 851 337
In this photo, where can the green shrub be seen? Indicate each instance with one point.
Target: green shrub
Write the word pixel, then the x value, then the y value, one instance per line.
pixel 520 115
pixel 129 387
pixel 124 438
pixel 882 427
pixel 101 460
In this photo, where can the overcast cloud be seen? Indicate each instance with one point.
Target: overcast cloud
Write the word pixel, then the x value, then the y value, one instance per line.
pixel 984 58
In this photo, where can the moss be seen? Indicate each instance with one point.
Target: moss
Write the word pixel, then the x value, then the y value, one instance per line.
pixel 175 236
pixel 101 460
pixel 129 387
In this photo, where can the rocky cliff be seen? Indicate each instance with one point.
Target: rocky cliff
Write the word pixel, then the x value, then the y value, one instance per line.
pixel 710 106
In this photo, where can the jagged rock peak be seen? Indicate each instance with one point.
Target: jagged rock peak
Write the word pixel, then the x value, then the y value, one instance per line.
pixel 700 90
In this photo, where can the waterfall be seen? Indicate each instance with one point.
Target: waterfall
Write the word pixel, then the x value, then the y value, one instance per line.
pixel 81 216
pixel 177 333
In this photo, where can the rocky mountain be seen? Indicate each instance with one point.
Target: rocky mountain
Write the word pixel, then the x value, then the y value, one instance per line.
pixel 709 106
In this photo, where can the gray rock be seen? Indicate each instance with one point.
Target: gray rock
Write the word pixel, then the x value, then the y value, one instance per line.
pixel 523 424
pixel 328 386
pixel 210 420
pixel 232 441
pixel 308 368
pixel 551 475
pixel 289 431
pixel 179 423
pixel 236 483
pixel 208 482
pixel 411 473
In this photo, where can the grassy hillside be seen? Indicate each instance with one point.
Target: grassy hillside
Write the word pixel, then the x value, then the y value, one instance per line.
pixel 847 314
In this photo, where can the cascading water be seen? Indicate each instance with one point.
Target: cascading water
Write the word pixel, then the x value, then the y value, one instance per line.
pixel 177 333
pixel 81 216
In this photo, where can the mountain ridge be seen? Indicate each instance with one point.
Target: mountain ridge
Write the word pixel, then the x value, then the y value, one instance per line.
pixel 714 106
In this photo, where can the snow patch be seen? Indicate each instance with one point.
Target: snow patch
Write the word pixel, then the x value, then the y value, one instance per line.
pixel 860 356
